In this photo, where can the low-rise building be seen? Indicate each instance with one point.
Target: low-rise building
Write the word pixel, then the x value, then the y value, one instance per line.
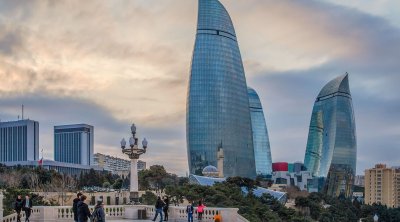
pixel 116 165
pixel 61 167
pixel 285 174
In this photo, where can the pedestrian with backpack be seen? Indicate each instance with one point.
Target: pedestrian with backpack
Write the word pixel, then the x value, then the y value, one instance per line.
pixel 98 214
pixel 18 207
pixel 75 206
pixel 189 211
pixel 83 210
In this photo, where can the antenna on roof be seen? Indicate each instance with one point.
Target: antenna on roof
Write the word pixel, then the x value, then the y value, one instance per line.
pixel 22 111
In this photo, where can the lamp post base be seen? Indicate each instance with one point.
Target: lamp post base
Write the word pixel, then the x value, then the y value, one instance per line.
pixel 134 197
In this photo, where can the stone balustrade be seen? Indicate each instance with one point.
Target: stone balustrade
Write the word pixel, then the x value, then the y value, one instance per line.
pixel 13 217
pixel 113 212
pixel 120 212
pixel 178 214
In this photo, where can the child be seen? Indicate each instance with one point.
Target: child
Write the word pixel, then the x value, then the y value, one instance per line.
pixel 217 218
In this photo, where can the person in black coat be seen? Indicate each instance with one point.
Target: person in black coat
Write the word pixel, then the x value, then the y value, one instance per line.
pixel 18 207
pixel 159 208
pixel 83 210
pixel 27 207
pixel 75 206
pixel 165 209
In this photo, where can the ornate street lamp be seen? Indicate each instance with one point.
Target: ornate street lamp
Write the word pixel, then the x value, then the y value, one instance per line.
pixel 134 152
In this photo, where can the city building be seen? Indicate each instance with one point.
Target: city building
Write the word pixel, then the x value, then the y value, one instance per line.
pixel 285 174
pixel 262 149
pixel 359 180
pixel 61 167
pixel 116 165
pixel 218 113
pixel 74 144
pixel 382 185
pixel 19 141
pixel 331 147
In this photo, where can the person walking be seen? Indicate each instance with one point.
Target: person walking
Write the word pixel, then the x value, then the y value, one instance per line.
pixel 189 211
pixel 27 207
pixel 159 208
pixel 165 209
pixel 83 210
pixel 75 206
pixel 200 211
pixel 18 207
pixel 217 217
pixel 98 214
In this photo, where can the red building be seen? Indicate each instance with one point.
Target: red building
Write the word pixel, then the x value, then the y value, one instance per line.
pixel 280 166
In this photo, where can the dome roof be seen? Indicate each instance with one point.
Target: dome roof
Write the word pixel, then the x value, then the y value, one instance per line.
pixel 210 169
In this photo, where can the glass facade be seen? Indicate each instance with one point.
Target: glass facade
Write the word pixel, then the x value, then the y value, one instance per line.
pixel 73 144
pixel 13 144
pixel 19 140
pixel 262 150
pixel 332 147
pixel 218 105
pixel 68 147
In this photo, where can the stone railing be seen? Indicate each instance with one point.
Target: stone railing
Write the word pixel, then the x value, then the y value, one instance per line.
pixel 178 214
pixel 13 217
pixel 130 212
pixel 56 213
pixel 113 212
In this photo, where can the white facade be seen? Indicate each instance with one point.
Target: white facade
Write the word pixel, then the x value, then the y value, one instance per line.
pixel 300 179
pixel 19 141
pixel 74 144
pixel 115 164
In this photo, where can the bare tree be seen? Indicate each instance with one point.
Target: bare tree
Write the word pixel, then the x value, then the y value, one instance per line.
pixel 11 179
pixel 33 180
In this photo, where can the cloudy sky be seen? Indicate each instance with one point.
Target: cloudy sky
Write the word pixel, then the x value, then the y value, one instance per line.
pixel 111 63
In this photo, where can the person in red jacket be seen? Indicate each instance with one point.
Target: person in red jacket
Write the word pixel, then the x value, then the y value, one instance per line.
pixel 200 211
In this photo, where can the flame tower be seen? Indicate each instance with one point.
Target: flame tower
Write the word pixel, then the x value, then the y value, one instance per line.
pixel 218 113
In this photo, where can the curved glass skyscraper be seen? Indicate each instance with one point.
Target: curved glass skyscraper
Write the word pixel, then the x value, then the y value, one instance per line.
pixel 262 150
pixel 218 105
pixel 332 147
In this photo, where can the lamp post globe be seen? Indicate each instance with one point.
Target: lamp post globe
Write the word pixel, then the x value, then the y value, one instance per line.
pixel 123 143
pixel 133 129
pixel 131 142
pixel 144 143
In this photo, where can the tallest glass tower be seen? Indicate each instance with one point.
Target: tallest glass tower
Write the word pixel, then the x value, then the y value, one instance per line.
pixel 218 113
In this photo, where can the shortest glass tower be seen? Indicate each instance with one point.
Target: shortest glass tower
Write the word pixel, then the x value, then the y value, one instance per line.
pixel 332 147
pixel 262 150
